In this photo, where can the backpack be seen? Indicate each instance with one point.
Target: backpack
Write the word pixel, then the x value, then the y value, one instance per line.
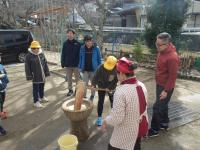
pixel 143 124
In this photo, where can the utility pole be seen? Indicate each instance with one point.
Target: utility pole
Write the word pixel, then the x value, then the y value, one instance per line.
pixel 73 13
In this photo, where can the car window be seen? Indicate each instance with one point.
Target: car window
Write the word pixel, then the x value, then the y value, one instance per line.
pixel 1 40
pixel 21 37
pixel 8 38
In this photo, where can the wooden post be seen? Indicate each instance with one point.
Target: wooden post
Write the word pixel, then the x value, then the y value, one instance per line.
pixel 80 91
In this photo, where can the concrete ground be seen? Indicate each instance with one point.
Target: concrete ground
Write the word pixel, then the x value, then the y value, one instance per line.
pixel 30 128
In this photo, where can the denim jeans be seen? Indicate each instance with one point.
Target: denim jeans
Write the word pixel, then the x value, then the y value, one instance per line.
pixel 101 101
pixel 88 76
pixel 38 91
pixel 2 100
pixel 160 109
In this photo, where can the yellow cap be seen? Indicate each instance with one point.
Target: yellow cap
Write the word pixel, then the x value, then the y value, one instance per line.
pixel 110 62
pixel 35 44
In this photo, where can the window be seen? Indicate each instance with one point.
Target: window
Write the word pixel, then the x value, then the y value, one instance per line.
pixel 1 39
pixel 21 37
pixel 8 38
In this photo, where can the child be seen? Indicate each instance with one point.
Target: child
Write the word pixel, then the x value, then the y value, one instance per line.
pixel 3 84
pixel 89 60
pixel 37 70
pixel 105 77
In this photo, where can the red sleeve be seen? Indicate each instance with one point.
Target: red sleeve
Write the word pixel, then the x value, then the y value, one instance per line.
pixel 173 66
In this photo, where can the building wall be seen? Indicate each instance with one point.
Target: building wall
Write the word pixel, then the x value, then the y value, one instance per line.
pixel 192 22
pixel 194 8
pixel 131 21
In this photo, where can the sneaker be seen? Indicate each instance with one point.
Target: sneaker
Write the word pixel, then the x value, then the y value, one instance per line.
pixel 38 105
pixel 152 133
pixel 3 115
pixel 2 131
pixel 164 126
pixel 99 121
pixel 70 93
pixel 44 100
pixel 91 97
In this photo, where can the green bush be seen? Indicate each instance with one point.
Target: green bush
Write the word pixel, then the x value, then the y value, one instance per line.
pixel 138 51
pixel 165 16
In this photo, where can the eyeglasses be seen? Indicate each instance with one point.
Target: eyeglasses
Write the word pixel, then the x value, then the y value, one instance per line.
pixel 159 45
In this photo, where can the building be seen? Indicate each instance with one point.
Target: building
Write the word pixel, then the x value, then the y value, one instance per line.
pixel 129 14
pixel 133 14
pixel 194 14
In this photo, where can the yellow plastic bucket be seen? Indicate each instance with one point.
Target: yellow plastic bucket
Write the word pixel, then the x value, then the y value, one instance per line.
pixel 68 142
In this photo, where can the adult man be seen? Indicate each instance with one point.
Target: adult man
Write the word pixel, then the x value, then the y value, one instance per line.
pixel 70 58
pixel 90 59
pixel 166 74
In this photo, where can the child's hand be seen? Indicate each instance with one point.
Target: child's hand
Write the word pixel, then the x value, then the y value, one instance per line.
pixel 92 87
pixel 104 126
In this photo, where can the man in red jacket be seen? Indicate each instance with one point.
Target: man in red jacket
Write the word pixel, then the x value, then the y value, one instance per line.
pixel 166 73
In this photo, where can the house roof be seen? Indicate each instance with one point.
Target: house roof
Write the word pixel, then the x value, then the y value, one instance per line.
pixel 127 8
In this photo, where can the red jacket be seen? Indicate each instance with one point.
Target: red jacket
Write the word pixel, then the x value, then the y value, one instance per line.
pixel 167 66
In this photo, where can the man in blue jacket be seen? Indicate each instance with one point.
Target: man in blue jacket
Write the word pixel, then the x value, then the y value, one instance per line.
pixel 90 59
pixel 70 58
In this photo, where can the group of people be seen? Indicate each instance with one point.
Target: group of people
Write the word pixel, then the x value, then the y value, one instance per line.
pixel 128 100
pixel 82 61
pixel 129 112
pixel 85 62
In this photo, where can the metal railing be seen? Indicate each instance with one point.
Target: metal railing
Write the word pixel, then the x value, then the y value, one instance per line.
pixel 133 29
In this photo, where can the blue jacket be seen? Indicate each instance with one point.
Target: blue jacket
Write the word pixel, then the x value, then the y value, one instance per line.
pixel 70 53
pixel 96 58
pixel 3 79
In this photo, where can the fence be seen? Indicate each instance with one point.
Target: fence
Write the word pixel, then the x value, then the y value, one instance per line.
pixel 189 61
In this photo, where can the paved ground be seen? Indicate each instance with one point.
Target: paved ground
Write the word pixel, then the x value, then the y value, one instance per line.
pixel 38 129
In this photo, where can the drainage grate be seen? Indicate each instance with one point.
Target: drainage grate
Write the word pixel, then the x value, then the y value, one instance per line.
pixel 178 114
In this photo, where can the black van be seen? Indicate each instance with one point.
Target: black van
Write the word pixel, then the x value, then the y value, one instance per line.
pixel 14 45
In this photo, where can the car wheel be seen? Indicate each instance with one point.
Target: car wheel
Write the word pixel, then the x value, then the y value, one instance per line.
pixel 21 57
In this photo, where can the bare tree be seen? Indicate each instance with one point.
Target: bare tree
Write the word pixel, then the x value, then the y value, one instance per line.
pixel 7 18
pixel 86 14
pixel 10 10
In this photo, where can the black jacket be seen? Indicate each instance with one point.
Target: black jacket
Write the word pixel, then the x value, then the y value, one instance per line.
pixel 70 53
pixel 36 67
pixel 105 78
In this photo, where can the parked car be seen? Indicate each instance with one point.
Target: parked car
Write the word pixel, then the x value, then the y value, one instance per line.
pixel 14 44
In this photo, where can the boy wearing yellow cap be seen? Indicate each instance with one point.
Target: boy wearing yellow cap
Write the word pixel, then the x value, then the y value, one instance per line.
pixel 105 77
pixel 37 70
